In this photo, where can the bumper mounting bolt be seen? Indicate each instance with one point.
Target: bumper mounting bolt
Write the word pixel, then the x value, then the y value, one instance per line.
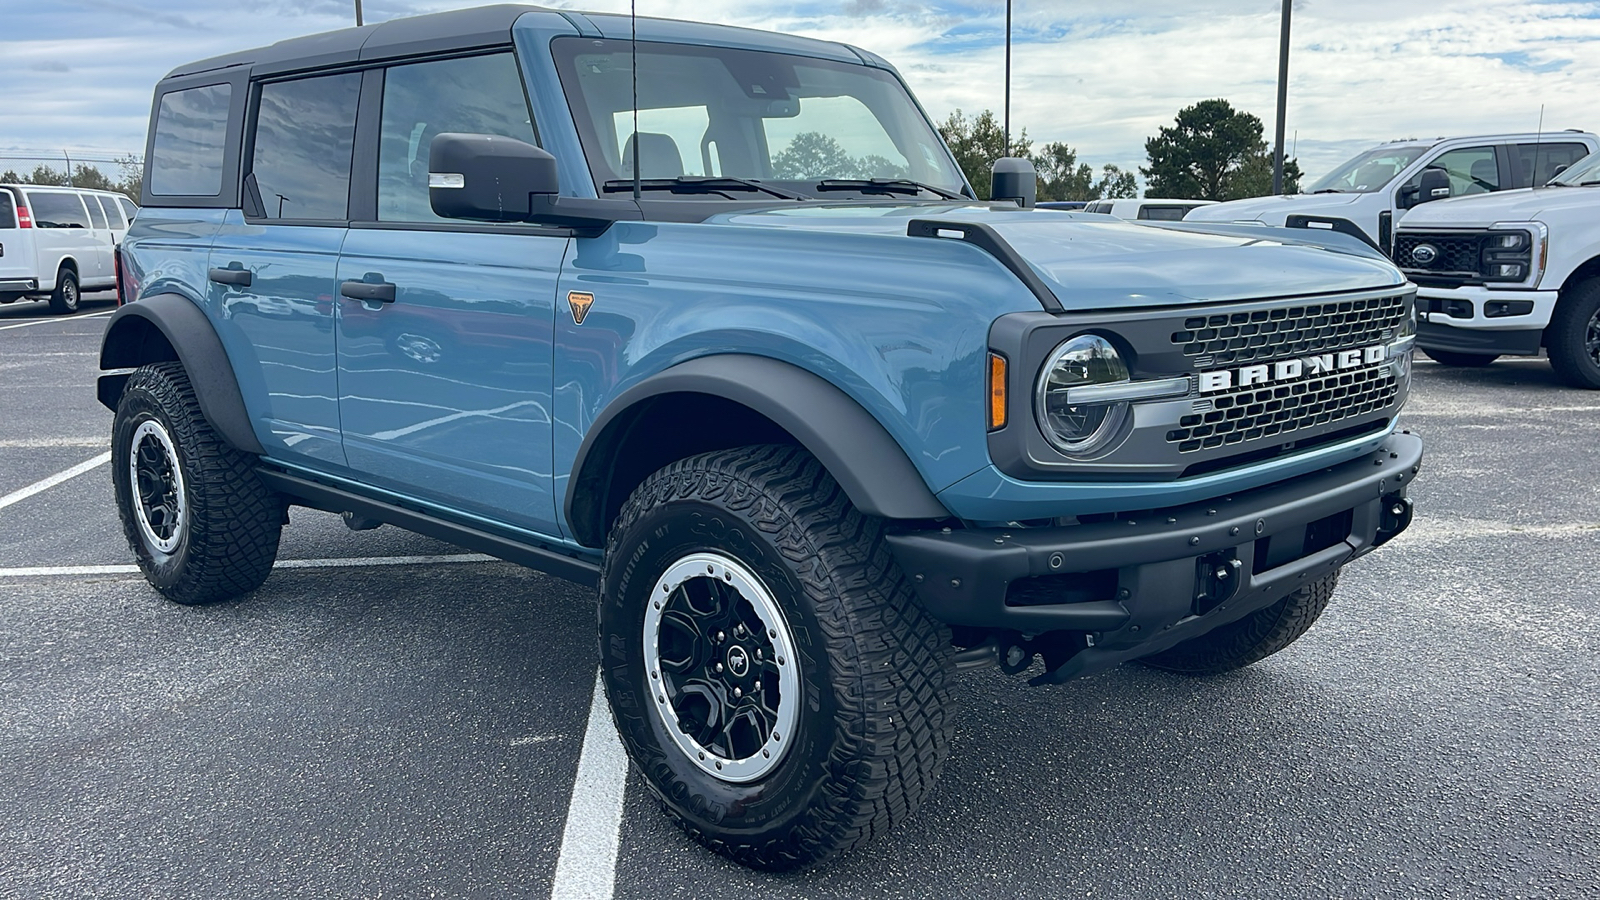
pixel 1234 531
pixel 1193 541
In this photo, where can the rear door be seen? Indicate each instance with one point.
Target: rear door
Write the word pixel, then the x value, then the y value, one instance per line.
pixel 445 382
pixel 16 256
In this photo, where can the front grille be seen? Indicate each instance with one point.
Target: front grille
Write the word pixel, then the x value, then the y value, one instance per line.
pixel 1272 410
pixel 1269 334
pixel 1457 253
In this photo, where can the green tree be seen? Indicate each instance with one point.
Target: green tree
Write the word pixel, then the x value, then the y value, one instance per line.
pixel 977 142
pixel 85 176
pixel 810 156
pixel 1063 177
pixel 1212 152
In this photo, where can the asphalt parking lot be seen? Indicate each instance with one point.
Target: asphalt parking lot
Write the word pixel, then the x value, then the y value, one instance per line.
pixel 390 717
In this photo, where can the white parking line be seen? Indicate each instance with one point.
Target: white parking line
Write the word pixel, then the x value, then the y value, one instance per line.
pixel 331 563
pixel 53 480
pixel 57 319
pixel 587 866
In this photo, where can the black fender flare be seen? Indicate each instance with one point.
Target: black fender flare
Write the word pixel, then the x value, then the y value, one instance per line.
pixel 867 462
pixel 194 340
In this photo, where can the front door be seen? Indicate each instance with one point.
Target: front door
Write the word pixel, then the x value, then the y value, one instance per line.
pixel 445 326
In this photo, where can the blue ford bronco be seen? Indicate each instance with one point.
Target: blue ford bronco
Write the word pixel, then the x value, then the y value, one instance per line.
pixel 710 321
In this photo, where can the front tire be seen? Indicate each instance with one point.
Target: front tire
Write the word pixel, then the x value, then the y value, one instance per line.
pixel 768 668
pixel 64 299
pixel 1252 638
pixel 1462 360
pixel 1574 336
pixel 201 524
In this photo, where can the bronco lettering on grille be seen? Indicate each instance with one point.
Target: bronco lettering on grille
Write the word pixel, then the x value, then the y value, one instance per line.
pixel 1290 369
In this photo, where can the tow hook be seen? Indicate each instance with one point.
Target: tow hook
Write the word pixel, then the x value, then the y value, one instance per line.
pixel 1217 577
pixel 1396 516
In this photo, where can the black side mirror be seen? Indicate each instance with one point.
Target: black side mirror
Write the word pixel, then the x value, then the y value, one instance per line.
pixel 1013 178
pixel 487 177
pixel 1435 185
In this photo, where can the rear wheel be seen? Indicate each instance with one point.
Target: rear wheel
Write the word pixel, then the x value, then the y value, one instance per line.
pixel 64 299
pixel 201 524
pixel 1574 336
pixel 1464 360
pixel 1252 638
pixel 769 670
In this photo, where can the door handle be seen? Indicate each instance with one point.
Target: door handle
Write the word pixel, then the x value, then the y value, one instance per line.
pixel 235 277
pixel 382 291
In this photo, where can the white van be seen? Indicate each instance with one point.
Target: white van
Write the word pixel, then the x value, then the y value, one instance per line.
pixel 1366 196
pixel 56 242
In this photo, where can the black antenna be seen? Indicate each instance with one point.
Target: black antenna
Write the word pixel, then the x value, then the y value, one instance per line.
pixel 1538 138
pixel 1008 78
pixel 633 44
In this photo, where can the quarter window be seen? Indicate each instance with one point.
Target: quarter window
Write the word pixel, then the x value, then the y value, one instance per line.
pixel 191 130
pixel 305 135
pixel 57 210
pixel 96 214
pixel 474 95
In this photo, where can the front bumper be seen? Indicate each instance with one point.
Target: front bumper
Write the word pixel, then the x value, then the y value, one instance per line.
pixel 1142 582
pixel 1457 319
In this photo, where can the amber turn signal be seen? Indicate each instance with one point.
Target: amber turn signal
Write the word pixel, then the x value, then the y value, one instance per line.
pixel 997 391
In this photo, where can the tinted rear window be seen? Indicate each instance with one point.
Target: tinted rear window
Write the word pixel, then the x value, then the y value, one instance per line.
pixel 8 210
pixel 56 210
pixel 1539 161
pixel 186 157
pixel 97 214
pixel 128 209
pixel 305 135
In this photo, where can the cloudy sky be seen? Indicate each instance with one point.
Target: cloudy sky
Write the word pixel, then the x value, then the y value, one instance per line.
pixel 1102 75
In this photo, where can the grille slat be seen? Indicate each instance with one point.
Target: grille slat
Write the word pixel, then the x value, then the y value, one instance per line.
pixel 1300 330
pixel 1253 413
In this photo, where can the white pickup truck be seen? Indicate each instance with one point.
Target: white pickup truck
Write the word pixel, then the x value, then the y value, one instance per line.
pixel 1509 273
pixel 1367 195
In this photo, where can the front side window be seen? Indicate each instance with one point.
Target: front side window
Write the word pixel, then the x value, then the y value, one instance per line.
pixel 128 209
pixel 1538 162
pixel 304 139
pixel 474 95
pixel 1368 172
pixel 54 209
pixel 96 215
pixel 744 114
pixel 186 156
pixel 1472 170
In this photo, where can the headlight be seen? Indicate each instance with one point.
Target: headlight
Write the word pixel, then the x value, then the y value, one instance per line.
pixel 1514 252
pixel 1075 427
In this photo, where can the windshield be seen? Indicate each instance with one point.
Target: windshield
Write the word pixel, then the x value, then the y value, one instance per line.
pixel 1369 171
pixel 714 112
pixel 1584 171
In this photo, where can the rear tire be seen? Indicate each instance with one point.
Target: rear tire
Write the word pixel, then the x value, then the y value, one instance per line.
pixel 1463 360
pixel 750 566
pixel 1574 336
pixel 64 299
pixel 200 523
pixel 1252 638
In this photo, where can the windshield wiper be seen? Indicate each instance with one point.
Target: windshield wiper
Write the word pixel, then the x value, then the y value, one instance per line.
pixel 1589 183
pixel 700 184
pixel 883 186
pixel 1329 191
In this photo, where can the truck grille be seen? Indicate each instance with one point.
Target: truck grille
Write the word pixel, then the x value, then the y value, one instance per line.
pixel 1269 334
pixel 1459 254
pixel 1267 411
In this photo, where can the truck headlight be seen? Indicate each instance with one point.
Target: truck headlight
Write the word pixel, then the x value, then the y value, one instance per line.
pixel 1514 252
pixel 1075 426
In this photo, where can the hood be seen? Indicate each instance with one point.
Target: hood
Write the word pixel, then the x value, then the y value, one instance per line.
pixel 1097 262
pixel 1271 210
pixel 1523 205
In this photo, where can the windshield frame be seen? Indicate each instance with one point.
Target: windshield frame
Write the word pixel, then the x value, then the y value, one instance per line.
pixel 1587 166
pixel 1349 166
pixel 566 50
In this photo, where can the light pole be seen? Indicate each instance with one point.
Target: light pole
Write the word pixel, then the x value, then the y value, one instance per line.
pixel 359 23
pixel 1283 98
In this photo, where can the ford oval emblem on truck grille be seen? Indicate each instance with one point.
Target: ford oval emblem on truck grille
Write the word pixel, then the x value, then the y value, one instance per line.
pixel 1424 254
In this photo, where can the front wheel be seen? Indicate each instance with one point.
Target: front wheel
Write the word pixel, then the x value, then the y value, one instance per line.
pixel 1462 360
pixel 1252 638
pixel 201 524
pixel 768 668
pixel 1574 341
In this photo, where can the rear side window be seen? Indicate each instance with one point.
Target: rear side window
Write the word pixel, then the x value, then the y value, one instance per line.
pixel 475 95
pixel 128 209
pixel 1537 163
pixel 97 215
pixel 114 213
pixel 186 156
pixel 57 210
pixel 8 210
pixel 305 135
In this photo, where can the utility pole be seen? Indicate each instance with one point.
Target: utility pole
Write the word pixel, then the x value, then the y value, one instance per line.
pixel 1283 98
pixel 359 23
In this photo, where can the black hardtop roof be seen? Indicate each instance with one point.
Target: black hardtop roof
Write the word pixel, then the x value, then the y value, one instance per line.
pixel 482 26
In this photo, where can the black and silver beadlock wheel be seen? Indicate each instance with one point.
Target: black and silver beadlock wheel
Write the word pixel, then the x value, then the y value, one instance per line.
pixel 722 665
pixel 158 503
